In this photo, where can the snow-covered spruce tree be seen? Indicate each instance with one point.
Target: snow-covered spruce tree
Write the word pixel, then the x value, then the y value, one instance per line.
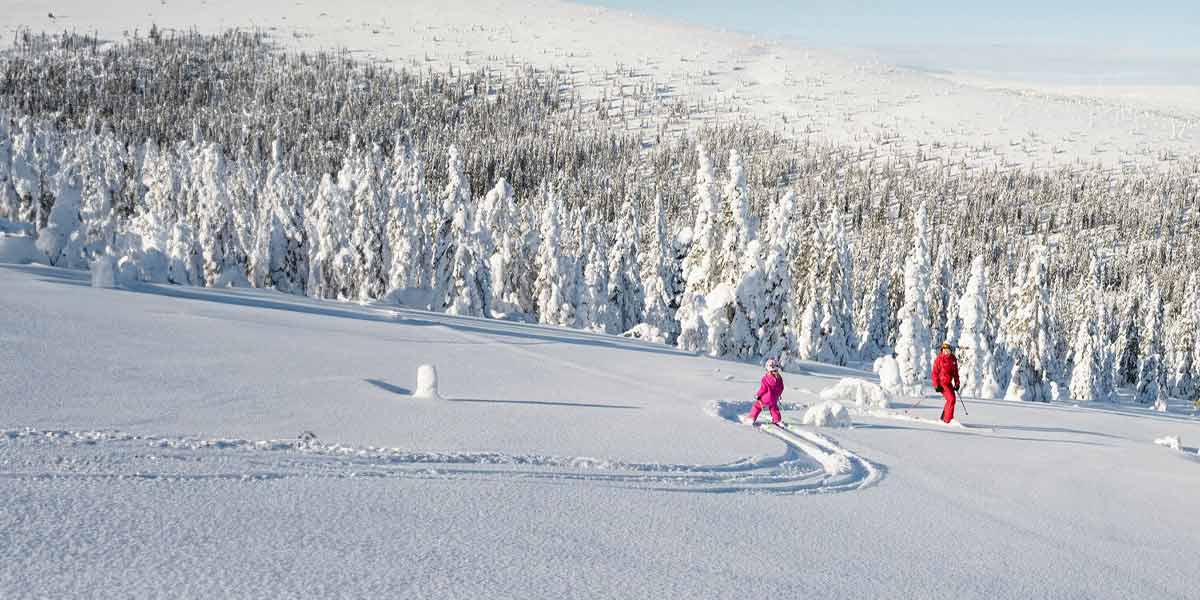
pixel 454 200
pixel 1182 344
pixel 472 281
pixel 1127 348
pixel 248 214
pixel 736 222
pixel 512 265
pixel 369 221
pixel 658 275
pixel 1152 373
pixel 409 230
pixel 595 312
pixel 913 344
pixel 700 271
pixel 874 319
pixel 776 312
pixel 9 202
pixel 942 293
pixel 625 294
pixel 30 165
pixel 1027 335
pixel 462 282
pixel 491 219
pixel 223 259
pixel 283 227
pixel 327 219
pixel 976 342
pixel 732 302
pixel 101 177
pixel 1091 375
pixel 401 242
pixel 54 240
pixel 553 270
pixel 1086 375
pixel 827 324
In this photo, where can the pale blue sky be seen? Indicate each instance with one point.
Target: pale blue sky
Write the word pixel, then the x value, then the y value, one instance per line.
pixel 1138 42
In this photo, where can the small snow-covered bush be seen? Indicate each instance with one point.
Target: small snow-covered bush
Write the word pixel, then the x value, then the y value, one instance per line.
pixel 104 272
pixel 645 331
pixel 889 374
pixel 827 414
pixel 1170 441
pixel 427 383
pixel 411 297
pixel 860 392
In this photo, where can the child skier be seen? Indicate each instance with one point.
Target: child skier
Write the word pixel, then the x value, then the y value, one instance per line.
pixel 945 379
pixel 769 391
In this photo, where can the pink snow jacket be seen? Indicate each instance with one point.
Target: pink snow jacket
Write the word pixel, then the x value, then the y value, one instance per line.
pixel 770 389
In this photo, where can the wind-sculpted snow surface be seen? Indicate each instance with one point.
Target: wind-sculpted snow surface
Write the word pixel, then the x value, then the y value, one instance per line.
pixel 28 453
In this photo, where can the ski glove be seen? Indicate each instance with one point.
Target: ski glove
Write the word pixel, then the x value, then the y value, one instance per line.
pixel 937 388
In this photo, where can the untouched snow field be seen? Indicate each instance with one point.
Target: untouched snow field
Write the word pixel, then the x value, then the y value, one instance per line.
pixel 152 443
pixel 804 92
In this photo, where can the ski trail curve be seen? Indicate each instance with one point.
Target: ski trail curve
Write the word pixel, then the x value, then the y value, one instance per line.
pixel 845 470
pixel 33 454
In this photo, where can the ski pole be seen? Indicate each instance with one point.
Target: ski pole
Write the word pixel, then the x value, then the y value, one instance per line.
pixel 964 404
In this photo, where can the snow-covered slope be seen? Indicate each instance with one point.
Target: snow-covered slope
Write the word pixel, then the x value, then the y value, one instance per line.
pixel 151 445
pixel 628 59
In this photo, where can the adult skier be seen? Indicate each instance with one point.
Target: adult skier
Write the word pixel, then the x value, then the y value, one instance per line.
pixel 945 379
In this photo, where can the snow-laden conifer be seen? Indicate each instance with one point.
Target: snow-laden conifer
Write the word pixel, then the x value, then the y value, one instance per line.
pixel 826 331
pixel 874 320
pixel 1152 387
pixel 1182 343
pixel 776 312
pixel 942 293
pixel 700 271
pixel 624 294
pixel 554 270
pixel 976 342
pixel 913 344
pixel 1027 334
pixel 658 275
pixel 1091 375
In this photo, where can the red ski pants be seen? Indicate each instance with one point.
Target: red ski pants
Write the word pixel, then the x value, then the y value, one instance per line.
pixel 772 406
pixel 951 399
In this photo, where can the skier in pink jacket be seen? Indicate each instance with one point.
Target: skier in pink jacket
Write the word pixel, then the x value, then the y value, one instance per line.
pixel 769 392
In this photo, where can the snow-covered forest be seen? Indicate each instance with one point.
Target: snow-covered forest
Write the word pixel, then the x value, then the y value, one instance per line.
pixel 219 160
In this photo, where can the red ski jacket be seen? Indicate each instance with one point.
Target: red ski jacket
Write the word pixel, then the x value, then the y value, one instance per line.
pixel 945 371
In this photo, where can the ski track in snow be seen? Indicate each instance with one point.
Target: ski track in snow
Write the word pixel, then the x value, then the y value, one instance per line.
pixel 809 464
pixel 63 454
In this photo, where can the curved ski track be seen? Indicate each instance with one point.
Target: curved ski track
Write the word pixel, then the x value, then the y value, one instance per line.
pixel 112 455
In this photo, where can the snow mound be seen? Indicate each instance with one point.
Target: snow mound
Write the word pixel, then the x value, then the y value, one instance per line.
pixel 860 392
pixel 411 297
pixel 232 278
pixel 1170 441
pixel 889 374
pixel 18 249
pixel 829 413
pixel 104 272
pixel 427 383
pixel 646 331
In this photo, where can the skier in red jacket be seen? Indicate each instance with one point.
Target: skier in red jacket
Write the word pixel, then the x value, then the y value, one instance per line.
pixel 945 379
